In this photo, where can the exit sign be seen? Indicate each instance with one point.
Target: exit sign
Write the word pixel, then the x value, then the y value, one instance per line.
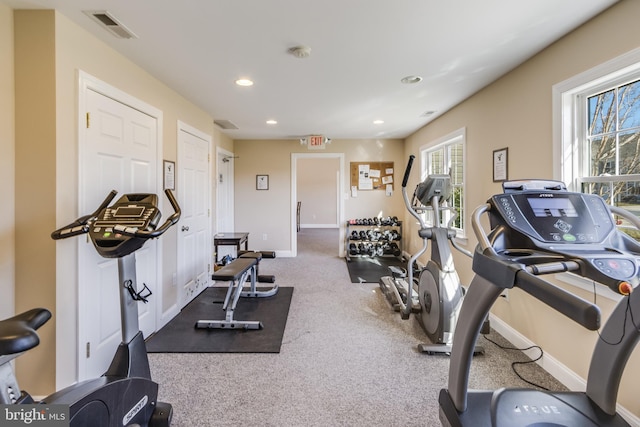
pixel 316 142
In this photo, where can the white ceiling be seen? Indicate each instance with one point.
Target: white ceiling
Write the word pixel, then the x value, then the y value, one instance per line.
pixel 360 50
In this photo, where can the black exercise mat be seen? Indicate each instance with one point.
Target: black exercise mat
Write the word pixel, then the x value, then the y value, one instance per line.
pixel 371 269
pixel 181 336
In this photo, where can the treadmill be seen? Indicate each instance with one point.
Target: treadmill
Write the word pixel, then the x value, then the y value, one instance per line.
pixel 540 228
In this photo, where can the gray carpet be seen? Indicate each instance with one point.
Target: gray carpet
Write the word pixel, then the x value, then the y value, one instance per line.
pixel 347 359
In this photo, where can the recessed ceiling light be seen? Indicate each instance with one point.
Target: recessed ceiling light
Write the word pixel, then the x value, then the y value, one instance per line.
pixel 244 82
pixel 272 122
pixel 378 122
pixel 411 80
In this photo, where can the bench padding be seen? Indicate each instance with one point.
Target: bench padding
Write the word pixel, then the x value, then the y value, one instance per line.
pixel 234 270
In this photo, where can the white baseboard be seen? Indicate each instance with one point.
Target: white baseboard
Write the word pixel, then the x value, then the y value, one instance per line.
pixel 319 226
pixel 559 371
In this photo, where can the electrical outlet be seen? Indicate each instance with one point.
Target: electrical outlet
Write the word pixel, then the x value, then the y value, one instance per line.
pixel 264 236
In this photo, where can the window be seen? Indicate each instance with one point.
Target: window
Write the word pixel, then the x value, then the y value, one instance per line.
pixel 446 156
pixel 598 143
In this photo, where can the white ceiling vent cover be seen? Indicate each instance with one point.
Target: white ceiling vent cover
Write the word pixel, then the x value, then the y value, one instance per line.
pixel 225 124
pixel 111 24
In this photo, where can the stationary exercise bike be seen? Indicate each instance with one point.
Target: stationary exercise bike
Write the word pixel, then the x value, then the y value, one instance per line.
pixel 439 292
pixel 538 229
pixel 124 395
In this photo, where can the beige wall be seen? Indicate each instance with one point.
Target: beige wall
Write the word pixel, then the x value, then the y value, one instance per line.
pixel 516 112
pixel 35 169
pixel 269 212
pixel 47 172
pixel 7 168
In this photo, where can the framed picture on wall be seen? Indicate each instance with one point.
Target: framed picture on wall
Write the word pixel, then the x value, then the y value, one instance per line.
pixel 262 182
pixel 500 164
pixel 169 175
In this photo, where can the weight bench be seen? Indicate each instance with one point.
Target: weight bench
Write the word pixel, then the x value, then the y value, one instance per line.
pixel 262 278
pixel 236 273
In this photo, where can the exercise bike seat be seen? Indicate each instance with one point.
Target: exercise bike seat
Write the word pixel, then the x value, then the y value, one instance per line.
pixel 18 333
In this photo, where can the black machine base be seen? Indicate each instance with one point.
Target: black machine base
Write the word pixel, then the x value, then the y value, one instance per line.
pixel 525 407
pixel 432 349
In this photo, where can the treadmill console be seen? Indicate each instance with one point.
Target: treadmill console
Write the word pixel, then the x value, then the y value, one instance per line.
pixel 130 212
pixel 563 225
pixel 556 218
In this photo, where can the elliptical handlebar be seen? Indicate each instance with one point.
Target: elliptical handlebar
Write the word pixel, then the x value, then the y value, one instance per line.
pixel 407 171
pixel 81 225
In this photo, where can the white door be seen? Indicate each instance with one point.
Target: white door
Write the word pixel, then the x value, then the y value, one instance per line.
pixel 224 197
pixel 194 234
pixel 119 152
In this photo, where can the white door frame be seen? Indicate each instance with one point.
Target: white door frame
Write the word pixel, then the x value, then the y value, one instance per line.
pixel 294 196
pixel 65 356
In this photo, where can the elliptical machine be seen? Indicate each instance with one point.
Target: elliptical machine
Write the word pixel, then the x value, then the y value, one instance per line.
pixel 439 292
pixel 538 228
pixel 124 395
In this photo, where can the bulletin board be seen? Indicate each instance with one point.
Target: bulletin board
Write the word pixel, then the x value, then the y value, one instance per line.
pixel 372 176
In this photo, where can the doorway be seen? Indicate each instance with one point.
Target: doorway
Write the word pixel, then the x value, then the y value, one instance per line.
pixel 194 235
pixel 334 195
pixel 224 197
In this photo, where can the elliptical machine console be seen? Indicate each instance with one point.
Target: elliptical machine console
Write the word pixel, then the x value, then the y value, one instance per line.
pixel 124 395
pixel 538 228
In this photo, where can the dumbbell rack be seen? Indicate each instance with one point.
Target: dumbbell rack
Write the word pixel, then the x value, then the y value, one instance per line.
pixel 372 237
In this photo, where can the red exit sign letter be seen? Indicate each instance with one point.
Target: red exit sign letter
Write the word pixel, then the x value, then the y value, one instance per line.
pixel 316 140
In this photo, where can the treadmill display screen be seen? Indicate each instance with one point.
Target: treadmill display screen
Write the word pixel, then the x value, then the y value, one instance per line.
pixel 558 217
pixel 552 207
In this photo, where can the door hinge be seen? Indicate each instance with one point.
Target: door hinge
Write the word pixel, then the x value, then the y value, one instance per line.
pixel 208 268
pixel 88 119
pixel 208 212
pixel 88 349
pixel 208 158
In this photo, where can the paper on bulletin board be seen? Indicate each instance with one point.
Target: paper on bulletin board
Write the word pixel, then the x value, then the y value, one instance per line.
pixel 387 179
pixel 354 191
pixel 365 184
pixel 364 179
pixel 389 190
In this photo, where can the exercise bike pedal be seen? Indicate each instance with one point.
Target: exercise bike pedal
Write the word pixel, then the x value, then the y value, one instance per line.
pixel 162 415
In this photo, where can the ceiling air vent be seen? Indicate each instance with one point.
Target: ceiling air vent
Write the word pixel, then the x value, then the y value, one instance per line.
pixel 111 24
pixel 225 124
